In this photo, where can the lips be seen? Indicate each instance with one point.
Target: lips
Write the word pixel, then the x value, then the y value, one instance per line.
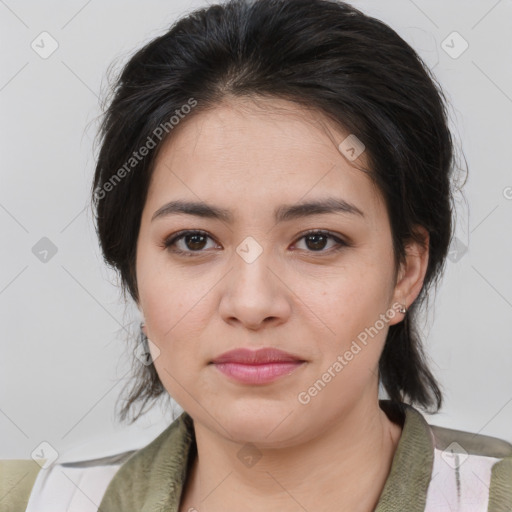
pixel 256 357
pixel 263 366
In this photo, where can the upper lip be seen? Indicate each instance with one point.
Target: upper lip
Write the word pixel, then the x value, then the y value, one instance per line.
pixel 261 356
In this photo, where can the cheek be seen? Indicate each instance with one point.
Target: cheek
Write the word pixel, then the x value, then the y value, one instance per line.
pixel 176 310
pixel 349 309
pixel 350 298
pixel 166 295
pixel 348 356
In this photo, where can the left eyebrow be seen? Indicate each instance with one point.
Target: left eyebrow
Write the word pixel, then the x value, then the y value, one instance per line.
pixel 282 213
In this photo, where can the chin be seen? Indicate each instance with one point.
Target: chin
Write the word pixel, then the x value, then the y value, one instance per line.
pixel 267 426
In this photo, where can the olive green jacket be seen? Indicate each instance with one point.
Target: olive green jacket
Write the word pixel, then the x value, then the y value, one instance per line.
pixel 434 469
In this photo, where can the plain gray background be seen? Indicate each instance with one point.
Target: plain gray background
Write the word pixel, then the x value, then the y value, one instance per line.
pixel 64 359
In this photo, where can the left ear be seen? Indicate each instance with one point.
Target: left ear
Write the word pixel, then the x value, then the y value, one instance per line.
pixel 412 272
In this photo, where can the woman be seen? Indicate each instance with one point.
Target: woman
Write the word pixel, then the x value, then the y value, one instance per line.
pixel 273 187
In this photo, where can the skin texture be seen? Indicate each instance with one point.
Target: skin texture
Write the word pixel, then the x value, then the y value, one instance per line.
pixel 335 451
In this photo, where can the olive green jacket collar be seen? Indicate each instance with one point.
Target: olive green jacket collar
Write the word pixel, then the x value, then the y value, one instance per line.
pixel 153 478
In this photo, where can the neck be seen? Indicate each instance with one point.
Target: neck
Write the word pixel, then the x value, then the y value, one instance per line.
pixel 343 469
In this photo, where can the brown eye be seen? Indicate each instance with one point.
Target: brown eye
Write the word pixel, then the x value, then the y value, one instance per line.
pixel 316 241
pixel 191 241
pixel 195 242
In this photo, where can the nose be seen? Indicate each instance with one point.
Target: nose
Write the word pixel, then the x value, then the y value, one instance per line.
pixel 254 295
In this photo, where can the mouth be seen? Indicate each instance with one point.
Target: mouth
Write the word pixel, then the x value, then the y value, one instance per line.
pixel 256 357
pixel 257 367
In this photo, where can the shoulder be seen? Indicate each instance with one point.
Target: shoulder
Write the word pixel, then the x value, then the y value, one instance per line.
pixel 155 474
pixel 17 478
pixel 469 468
pixel 440 469
pixel 69 486
pixel 81 485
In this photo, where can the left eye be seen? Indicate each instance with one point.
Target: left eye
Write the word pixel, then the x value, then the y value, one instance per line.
pixel 194 241
pixel 317 240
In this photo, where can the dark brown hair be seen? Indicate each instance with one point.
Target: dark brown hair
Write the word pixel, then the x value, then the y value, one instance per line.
pixel 322 54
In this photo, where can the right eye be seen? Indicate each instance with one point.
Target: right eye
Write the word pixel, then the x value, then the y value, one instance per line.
pixel 193 241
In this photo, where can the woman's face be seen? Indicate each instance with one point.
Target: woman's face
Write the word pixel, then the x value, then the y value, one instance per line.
pixel 253 281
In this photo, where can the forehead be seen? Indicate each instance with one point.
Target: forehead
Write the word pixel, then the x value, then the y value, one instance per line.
pixel 252 153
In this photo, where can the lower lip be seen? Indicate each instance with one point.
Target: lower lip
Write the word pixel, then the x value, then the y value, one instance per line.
pixel 257 373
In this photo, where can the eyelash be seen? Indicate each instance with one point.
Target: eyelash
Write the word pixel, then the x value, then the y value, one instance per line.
pixel 170 241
